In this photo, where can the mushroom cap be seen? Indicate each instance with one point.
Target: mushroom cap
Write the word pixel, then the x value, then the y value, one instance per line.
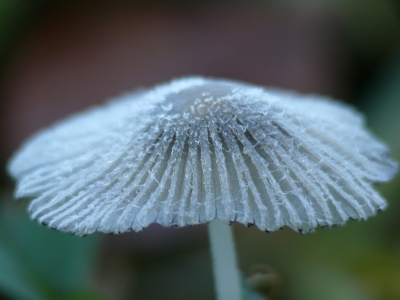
pixel 197 149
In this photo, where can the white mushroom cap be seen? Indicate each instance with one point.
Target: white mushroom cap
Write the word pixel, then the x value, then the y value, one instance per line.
pixel 197 149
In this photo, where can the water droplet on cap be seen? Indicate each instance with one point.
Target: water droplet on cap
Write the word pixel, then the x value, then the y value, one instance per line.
pixel 167 107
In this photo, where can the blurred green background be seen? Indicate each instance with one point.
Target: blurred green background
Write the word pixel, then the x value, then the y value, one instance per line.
pixel 58 57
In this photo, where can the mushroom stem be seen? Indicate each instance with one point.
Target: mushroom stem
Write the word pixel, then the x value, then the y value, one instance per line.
pixel 223 253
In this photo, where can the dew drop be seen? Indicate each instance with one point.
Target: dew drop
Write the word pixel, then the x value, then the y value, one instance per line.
pixel 167 107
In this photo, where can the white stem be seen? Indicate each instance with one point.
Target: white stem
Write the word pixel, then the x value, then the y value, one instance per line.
pixel 226 274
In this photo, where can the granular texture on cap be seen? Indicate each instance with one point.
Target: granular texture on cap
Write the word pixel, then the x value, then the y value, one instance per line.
pixel 197 149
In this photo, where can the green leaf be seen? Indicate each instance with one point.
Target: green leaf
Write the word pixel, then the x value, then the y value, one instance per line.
pixel 52 262
pixel 14 278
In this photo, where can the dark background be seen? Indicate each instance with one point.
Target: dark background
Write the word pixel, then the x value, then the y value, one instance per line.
pixel 59 57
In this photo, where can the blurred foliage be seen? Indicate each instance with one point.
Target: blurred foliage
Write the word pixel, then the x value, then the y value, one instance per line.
pixel 39 263
pixel 371 25
pixel 381 102
pixel 14 18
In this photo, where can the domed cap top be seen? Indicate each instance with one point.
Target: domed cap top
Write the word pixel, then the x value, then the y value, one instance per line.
pixel 202 97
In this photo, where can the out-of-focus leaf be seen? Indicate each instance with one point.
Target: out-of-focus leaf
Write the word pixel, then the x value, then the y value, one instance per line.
pixel 327 282
pixel 84 295
pixel 371 26
pixel 13 16
pixel 14 279
pixel 60 263
pixel 381 103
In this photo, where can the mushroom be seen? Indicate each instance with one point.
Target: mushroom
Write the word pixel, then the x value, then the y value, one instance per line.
pixel 201 150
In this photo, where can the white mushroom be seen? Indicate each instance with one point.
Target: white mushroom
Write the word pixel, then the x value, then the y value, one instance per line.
pixel 200 149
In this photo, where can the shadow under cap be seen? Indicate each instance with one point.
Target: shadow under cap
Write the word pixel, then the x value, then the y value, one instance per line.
pixel 196 149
